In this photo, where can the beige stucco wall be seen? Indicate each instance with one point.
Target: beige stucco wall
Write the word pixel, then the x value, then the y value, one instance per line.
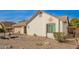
pixel 38 25
pixel 19 30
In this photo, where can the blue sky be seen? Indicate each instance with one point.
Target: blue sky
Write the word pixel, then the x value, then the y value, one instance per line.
pixel 18 15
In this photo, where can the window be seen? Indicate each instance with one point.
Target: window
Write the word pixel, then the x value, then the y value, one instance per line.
pixel 51 28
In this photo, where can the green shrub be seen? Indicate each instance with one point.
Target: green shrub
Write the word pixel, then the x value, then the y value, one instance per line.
pixel 59 36
pixel 1 30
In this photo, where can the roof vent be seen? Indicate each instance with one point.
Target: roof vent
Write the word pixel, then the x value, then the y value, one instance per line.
pixel 40 14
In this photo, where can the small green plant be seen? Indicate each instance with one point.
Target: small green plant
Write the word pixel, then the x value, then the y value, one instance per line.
pixel 59 36
pixel 1 30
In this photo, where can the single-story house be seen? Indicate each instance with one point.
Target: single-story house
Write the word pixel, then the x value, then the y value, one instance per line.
pixel 20 28
pixel 44 24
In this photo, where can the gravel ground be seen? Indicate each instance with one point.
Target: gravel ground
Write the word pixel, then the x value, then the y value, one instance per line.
pixel 31 42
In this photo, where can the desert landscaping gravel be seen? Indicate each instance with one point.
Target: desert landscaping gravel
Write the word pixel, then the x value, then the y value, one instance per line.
pixel 32 42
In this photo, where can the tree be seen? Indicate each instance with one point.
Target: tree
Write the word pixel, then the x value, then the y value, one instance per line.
pixel 74 23
pixel 78 25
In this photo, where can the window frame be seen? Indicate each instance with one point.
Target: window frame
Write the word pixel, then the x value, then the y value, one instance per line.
pixel 50 26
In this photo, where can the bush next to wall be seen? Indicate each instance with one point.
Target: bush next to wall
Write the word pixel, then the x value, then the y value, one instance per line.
pixel 59 36
pixel 1 30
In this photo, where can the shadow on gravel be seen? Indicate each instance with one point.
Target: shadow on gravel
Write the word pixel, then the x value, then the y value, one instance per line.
pixel 7 37
pixel 71 42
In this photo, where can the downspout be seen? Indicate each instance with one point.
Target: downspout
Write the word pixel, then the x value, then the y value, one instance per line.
pixel 59 28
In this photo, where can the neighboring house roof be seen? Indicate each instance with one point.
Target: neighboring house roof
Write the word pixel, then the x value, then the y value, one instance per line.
pixel 21 24
pixel 7 24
